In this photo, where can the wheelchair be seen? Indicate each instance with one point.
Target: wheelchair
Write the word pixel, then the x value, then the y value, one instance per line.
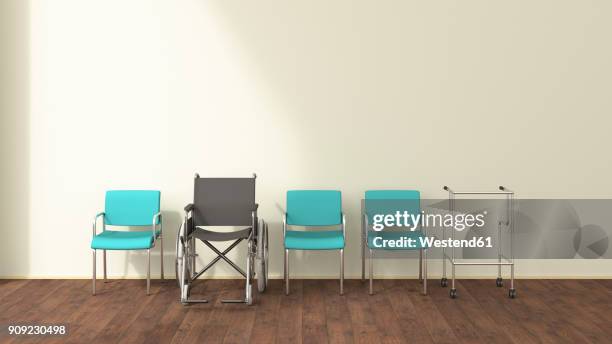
pixel 222 202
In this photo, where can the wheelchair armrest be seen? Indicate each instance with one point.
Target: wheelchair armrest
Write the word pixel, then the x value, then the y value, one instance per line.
pixel 189 207
pixel 254 216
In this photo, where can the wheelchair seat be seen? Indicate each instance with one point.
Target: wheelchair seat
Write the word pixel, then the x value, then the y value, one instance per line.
pixel 204 234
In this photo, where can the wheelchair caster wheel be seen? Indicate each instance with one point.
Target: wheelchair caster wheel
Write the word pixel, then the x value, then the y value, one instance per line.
pixel 453 293
pixel 499 282
pixel 512 293
pixel 443 282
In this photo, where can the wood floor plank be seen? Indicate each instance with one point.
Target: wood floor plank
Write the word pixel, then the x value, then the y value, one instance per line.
pixel 40 313
pixel 92 321
pixel 12 307
pixel 217 325
pixel 140 331
pixel 128 312
pixel 492 301
pixel 528 311
pixel 241 316
pixel 55 307
pixel 485 325
pixel 433 320
pixel 585 307
pixel 559 311
pixel 543 303
pixel 563 303
pixel 169 323
pixel 387 323
pixel 198 315
pixel 7 287
pixel 360 313
pixel 339 327
pixel 411 321
pixel 454 314
pixel 314 327
pixel 290 323
pixel 267 319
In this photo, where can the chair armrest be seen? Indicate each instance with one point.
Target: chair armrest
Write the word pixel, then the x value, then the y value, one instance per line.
pixel 154 226
pixel 95 220
pixel 284 227
pixel 344 227
pixel 366 223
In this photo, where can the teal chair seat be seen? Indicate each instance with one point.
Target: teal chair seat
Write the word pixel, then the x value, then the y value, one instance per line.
pixel 415 235
pixel 122 240
pixel 314 240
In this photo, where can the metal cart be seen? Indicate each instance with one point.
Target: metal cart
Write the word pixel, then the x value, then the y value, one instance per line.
pixel 502 260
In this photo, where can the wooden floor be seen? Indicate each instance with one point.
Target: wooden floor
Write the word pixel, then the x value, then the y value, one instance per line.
pixel 546 311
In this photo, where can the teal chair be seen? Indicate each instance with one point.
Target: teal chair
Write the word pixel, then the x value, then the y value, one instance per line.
pixel 314 208
pixel 388 202
pixel 129 208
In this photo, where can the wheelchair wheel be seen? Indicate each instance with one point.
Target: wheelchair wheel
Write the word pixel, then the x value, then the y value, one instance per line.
pixel 261 264
pixel 181 258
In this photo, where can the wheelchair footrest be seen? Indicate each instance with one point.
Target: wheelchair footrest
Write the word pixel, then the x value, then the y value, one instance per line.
pixel 194 301
pixel 234 301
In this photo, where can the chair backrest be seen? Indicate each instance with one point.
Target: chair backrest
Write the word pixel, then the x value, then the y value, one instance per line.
pixel 390 201
pixel 131 207
pixel 223 201
pixel 314 207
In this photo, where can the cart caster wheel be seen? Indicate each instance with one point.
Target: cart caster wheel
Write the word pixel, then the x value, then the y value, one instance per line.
pixel 443 282
pixel 499 282
pixel 512 293
pixel 453 293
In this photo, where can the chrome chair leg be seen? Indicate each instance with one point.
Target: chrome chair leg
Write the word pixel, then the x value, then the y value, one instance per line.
pixel 421 265
pixel 342 272
pixel 362 257
pixel 104 264
pixel 161 253
pixel 286 272
pixel 93 277
pixel 371 262
pixel 424 272
pixel 149 272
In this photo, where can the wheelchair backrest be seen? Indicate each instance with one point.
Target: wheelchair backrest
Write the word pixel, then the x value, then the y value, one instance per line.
pixel 223 201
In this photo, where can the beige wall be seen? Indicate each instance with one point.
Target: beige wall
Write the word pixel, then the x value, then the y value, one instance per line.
pixel 349 95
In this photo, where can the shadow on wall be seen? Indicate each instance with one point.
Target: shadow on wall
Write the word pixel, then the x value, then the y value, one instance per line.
pixel 14 138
